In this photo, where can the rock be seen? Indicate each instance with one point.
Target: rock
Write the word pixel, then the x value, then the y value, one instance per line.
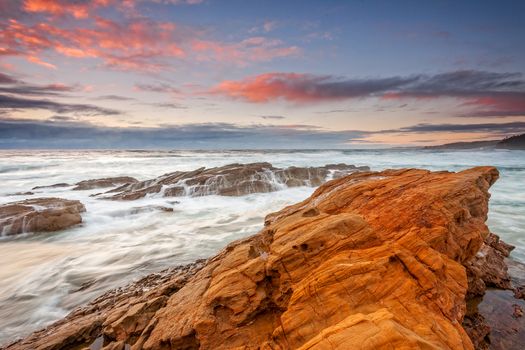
pixel 105 182
pixel 137 210
pixel 39 215
pixel 232 180
pixel 518 311
pixel 123 312
pixel 488 267
pixel 28 193
pixel 499 311
pixel 519 292
pixel 369 261
pixel 62 184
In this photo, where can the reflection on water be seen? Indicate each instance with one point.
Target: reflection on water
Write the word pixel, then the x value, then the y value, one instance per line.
pixel 44 276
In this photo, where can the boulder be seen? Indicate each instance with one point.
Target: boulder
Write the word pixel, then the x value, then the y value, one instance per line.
pixel 39 215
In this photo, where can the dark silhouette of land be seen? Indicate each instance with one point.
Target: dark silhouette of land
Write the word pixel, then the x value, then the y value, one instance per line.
pixel 513 142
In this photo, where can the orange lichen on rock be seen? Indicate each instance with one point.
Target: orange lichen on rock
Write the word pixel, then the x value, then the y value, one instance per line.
pixel 370 261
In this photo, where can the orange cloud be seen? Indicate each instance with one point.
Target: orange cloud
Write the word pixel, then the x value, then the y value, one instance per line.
pixel 62 7
pixel 301 88
pixel 136 44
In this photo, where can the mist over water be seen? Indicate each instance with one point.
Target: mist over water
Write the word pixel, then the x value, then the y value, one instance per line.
pixel 44 276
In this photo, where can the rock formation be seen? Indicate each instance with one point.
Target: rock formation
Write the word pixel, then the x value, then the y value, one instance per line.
pixel 93 183
pixel 39 215
pixel 369 261
pixel 232 180
pixel 105 182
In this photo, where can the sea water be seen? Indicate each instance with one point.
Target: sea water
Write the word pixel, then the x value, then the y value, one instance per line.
pixel 44 276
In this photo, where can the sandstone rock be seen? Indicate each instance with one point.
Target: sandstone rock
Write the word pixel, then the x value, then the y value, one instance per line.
pixel 39 214
pixel 105 182
pixel 232 180
pixel 369 261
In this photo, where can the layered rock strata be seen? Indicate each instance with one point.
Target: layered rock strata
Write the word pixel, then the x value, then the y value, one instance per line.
pixel 232 180
pixel 39 215
pixel 369 261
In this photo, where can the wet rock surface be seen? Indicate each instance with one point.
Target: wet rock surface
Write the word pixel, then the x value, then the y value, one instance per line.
pixel 39 215
pixel 102 183
pixel 369 261
pixel 119 313
pixel 231 180
pixel 494 318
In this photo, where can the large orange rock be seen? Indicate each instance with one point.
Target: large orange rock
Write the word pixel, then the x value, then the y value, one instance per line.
pixel 369 261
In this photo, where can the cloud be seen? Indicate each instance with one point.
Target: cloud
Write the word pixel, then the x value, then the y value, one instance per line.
pixel 82 9
pixel 167 105
pixel 7 79
pixel 18 95
pixel 65 134
pixel 127 43
pixel 275 117
pixel 252 49
pixel 487 94
pixel 8 102
pixel 300 88
pixel 491 128
pixel 161 87
pixel 68 132
pixel 26 89
pixel 114 98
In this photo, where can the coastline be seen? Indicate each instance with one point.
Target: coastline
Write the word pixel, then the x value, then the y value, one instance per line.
pixel 178 278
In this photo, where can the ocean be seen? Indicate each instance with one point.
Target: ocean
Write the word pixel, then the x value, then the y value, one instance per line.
pixel 44 276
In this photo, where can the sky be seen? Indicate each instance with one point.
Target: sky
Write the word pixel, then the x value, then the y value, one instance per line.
pixel 201 74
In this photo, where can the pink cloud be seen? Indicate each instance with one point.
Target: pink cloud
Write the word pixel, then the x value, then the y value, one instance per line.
pixel 77 9
pixel 304 88
pixel 135 43
pixel 253 49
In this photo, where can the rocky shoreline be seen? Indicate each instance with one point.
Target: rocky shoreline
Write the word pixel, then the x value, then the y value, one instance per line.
pixel 371 260
pixel 53 214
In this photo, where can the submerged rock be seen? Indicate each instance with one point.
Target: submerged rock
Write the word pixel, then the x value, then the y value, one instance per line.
pixel 39 215
pixel 62 184
pixel 232 180
pixel 369 261
pixel 105 182
pixel 28 193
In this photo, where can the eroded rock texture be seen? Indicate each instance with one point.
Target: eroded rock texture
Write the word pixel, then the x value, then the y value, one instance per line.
pixel 369 261
pixel 232 180
pixel 39 215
